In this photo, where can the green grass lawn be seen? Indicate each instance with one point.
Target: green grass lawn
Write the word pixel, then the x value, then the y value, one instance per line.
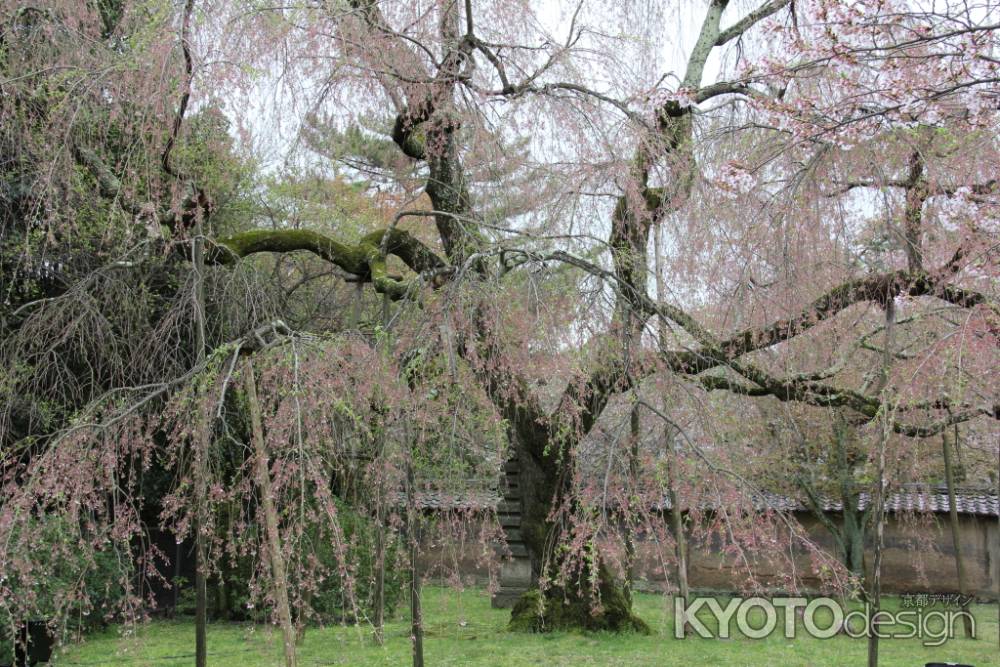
pixel 462 629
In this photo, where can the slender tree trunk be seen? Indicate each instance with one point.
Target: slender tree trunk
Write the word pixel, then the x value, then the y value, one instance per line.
pixel 853 528
pixel 355 317
pixel 201 605
pixel 379 600
pixel 676 512
pixel 413 528
pixel 879 499
pixel 178 554
pixel 854 546
pixel 380 508
pixel 201 462
pixel 876 584
pixel 956 541
pixel 380 502
pixel 677 519
pixel 633 475
pixel 276 557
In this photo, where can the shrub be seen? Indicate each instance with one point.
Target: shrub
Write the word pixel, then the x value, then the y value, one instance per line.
pixel 332 604
pixel 75 588
pixel 329 601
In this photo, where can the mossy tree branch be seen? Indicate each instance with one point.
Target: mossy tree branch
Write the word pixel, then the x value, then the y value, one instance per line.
pixel 362 260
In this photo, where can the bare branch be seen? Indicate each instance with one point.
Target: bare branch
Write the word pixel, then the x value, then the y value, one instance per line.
pixel 751 19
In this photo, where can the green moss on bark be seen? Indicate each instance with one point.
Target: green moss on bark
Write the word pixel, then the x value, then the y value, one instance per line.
pixel 363 259
pixel 561 611
pixel 352 259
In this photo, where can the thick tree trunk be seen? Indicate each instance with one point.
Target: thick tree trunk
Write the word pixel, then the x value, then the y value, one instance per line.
pixel 571 608
pixel 548 462
pixel 545 463
pixel 556 608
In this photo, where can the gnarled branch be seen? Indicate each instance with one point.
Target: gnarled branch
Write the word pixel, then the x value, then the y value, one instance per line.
pixel 365 260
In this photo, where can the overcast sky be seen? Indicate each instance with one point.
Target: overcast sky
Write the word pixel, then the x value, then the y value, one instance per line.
pixel 273 117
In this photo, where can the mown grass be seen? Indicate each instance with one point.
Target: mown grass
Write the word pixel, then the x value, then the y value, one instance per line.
pixel 462 629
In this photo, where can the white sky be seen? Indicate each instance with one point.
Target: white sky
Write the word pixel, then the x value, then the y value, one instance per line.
pixel 273 117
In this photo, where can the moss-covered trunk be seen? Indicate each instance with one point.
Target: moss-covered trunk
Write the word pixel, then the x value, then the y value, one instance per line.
pixel 544 486
pixel 572 609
